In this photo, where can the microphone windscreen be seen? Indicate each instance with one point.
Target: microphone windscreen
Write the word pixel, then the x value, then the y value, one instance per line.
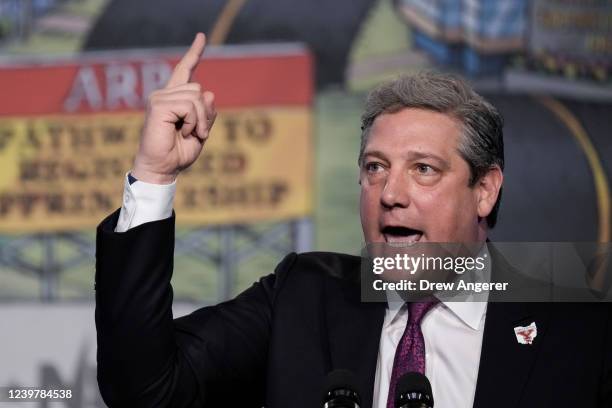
pixel 413 387
pixel 341 385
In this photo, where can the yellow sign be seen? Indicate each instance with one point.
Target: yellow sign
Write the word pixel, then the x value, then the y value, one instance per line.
pixel 65 172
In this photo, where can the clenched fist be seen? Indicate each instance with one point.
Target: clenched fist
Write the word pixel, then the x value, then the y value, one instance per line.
pixel 177 123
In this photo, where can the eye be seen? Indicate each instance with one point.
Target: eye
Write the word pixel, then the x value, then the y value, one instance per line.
pixel 373 167
pixel 425 169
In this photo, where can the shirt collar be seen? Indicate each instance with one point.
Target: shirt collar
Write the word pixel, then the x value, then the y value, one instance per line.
pixel 469 312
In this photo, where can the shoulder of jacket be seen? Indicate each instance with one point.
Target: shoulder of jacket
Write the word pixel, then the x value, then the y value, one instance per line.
pixel 331 264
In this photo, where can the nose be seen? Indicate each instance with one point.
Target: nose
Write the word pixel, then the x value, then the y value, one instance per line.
pixel 396 192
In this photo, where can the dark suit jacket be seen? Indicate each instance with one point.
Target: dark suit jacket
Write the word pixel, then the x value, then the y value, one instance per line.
pixel 274 344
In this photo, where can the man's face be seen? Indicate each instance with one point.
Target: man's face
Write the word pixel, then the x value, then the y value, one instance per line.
pixel 415 184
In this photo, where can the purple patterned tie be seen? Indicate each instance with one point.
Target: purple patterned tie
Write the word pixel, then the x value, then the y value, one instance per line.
pixel 410 352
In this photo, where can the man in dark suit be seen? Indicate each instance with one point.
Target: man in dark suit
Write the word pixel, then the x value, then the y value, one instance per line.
pixel 431 162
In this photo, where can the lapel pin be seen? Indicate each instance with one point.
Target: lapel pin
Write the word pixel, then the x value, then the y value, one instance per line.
pixel 526 334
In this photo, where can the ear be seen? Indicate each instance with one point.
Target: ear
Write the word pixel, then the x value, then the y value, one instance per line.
pixel 488 190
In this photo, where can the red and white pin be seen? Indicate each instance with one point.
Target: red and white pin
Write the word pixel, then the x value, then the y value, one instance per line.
pixel 526 334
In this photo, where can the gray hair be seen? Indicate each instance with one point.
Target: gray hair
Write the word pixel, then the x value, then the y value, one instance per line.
pixel 482 146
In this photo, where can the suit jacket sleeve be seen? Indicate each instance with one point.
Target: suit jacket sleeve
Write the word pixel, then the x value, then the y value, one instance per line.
pixel 147 359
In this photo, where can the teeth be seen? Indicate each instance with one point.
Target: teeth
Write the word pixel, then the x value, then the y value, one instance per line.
pixel 401 244
pixel 397 240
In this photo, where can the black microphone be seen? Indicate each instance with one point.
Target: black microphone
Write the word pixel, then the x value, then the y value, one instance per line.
pixel 413 390
pixel 340 390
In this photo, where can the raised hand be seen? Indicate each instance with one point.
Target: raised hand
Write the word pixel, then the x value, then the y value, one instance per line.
pixel 177 123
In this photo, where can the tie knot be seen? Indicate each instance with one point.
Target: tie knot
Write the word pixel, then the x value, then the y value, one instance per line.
pixel 417 310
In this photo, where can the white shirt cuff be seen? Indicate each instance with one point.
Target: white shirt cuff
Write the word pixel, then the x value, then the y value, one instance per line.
pixel 144 202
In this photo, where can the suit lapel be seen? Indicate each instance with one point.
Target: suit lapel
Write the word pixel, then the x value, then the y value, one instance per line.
pixel 505 364
pixel 354 330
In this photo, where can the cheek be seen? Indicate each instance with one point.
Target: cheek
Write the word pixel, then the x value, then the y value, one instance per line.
pixel 445 212
pixel 370 194
pixel 432 207
pixel 369 207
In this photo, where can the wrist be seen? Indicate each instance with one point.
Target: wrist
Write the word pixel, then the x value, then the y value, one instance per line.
pixel 152 177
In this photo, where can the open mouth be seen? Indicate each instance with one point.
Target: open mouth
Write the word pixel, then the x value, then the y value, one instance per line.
pixel 401 235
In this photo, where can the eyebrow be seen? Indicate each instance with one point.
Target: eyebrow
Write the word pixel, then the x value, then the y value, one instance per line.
pixel 375 153
pixel 410 156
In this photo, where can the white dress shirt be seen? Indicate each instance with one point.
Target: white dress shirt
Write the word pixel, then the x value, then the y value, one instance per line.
pixel 144 202
pixel 453 338
pixel 452 330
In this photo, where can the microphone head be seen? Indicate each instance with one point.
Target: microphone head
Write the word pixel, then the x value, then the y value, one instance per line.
pixel 340 390
pixel 413 390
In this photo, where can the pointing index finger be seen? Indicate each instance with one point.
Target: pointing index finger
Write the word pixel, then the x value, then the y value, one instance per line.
pixel 185 67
